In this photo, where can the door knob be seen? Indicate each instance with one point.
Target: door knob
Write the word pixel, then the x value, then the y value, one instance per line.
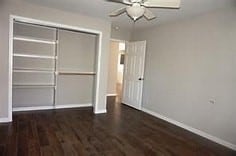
pixel 140 79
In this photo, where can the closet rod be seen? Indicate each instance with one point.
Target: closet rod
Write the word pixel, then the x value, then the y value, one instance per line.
pixel 76 73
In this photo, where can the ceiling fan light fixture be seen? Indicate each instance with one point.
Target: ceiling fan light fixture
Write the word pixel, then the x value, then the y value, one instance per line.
pixel 135 11
pixel 139 8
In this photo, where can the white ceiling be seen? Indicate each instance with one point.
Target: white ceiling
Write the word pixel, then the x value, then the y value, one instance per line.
pixel 101 9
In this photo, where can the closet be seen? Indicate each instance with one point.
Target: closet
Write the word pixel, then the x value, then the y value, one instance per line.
pixel 52 67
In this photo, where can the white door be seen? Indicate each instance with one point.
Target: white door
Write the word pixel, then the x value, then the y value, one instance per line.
pixel 134 74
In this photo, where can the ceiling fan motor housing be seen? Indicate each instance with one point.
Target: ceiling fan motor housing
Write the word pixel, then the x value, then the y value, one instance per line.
pixel 135 11
pixel 136 1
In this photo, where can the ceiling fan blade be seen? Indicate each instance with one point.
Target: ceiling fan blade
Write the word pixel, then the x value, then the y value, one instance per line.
pixel 162 3
pixel 118 12
pixel 149 15
pixel 121 1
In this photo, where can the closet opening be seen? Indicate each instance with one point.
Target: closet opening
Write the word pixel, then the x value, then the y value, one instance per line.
pixel 52 66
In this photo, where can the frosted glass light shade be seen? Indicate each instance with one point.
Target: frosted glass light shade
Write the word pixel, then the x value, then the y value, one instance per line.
pixel 135 11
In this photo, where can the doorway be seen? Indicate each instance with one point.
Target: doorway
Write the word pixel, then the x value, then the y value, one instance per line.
pixel 126 72
pixel 116 69
pixel 120 71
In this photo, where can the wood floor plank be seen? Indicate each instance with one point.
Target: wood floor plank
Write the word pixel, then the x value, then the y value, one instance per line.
pixel 2 150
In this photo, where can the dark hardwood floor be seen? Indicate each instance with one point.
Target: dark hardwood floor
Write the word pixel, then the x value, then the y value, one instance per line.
pixel 78 132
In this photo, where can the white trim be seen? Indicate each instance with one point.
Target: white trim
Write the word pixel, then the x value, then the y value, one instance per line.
pixel 11 22
pixel 20 109
pixel 98 74
pixel 129 105
pixel 111 94
pixel 123 78
pixel 53 24
pixel 100 111
pixel 57 25
pixel 31 39
pixel 34 56
pixel 73 106
pixel 38 108
pixel 191 129
pixel 4 120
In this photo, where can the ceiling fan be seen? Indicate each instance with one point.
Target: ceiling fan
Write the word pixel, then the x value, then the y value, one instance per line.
pixel 138 8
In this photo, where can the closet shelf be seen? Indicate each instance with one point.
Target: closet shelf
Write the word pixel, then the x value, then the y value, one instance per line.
pixel 76 73
pixel 32 71
pixel 34 56
pixel 33 39
pixel 34 86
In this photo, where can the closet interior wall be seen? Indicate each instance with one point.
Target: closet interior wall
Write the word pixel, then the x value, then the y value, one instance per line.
pixel 52 67
pixel 76 66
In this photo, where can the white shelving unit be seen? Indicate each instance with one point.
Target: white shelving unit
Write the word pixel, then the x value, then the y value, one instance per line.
pixel 26 36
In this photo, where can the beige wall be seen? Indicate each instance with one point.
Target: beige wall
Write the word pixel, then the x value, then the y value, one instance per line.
pixel 120 34
pixel 23 8
pixel 112 74
pixel 188 64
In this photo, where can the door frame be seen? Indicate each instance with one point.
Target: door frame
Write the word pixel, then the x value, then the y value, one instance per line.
pixel 56 25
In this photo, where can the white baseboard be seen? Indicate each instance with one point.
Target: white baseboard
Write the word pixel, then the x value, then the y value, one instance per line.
pixel 4 120
pixel 191 129
pixel 73 106
pixel 19 109
pixel 50 107
pixel 111 94
pixel 100 111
